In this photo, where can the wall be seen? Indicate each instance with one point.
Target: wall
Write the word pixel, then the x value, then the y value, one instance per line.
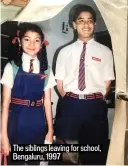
pixel 8 12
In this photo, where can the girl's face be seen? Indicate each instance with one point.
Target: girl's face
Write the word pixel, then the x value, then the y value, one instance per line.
pixel 31 43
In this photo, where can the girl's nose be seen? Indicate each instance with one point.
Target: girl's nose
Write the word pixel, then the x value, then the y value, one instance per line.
pixel 32 43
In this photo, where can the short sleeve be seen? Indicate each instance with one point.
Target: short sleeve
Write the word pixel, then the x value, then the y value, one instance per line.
pixel 109 66
pixel 7 77
pixel 60 68
pixel 51 81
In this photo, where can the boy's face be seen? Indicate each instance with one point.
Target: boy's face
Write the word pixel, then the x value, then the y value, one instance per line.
pixel 84 25
pixel 31 43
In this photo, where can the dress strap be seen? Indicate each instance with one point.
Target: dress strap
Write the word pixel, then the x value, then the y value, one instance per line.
pixel 15 69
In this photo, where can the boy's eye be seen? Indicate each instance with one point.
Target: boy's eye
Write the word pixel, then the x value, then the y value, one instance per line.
pixel 81 21
pixel 85 22
pixel 90 21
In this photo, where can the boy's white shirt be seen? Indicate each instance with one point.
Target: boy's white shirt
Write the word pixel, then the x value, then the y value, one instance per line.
pixel 99 67
pixel 7 77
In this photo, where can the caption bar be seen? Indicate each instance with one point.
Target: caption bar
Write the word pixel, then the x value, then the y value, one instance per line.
pixel 51 152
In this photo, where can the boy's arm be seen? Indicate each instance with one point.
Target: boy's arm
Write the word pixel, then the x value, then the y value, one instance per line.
pixel 60 72
pixel 108 86
pixel 108 70
pixel 60 88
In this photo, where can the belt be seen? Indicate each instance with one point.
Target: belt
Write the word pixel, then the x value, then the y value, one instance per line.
pixel 29 103
pixel 86 97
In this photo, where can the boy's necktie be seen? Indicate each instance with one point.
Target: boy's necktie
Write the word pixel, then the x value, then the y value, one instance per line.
pixel 31 66
pixel 81 77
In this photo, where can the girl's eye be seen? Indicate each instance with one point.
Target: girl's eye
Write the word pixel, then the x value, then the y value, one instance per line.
pixel 37 41
pixel 26 39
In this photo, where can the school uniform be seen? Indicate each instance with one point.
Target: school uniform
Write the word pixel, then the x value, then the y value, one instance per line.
pixel 26 121
pixel 83 113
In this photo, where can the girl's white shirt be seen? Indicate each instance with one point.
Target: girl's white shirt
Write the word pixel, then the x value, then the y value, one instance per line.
pixel 7 77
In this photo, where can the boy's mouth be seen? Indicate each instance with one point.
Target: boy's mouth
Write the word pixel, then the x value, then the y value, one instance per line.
pixel 31 49
pixel 87 30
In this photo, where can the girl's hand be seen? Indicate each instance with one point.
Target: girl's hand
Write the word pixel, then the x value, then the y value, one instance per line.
pixel 49 136
pixel 6 148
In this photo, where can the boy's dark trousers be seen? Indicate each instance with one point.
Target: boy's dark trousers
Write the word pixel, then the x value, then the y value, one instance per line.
pixel 91 127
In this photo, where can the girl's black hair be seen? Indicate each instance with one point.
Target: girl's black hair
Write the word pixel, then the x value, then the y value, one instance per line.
pixel 77 9
pixel 16 50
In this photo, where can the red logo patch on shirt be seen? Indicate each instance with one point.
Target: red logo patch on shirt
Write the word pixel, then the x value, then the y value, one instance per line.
pixel 96 59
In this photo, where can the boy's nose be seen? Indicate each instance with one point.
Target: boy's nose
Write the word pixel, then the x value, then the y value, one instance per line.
pixel 86 23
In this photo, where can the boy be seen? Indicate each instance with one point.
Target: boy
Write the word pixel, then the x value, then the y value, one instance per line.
pixel 84 72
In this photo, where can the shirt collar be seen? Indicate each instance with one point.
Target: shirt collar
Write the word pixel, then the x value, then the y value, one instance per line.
pixel 90 41
pixel 26 57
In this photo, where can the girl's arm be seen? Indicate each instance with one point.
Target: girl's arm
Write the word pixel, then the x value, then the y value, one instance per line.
pixel 48 112
pixel 5 110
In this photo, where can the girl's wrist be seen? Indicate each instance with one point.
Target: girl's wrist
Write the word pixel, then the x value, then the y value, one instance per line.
pixel 4 135
pixel 50 130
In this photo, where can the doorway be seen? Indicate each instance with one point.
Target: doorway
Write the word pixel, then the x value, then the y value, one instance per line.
pixel 115 16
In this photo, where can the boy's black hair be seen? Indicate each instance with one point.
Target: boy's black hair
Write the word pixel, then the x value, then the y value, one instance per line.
pixel 16 54
pixel 77 9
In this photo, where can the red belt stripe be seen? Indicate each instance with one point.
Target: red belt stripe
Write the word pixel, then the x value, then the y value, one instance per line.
pixel 26 102
pixel 86 97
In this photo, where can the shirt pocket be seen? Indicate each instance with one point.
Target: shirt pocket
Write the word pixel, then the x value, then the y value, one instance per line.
pixel 96 62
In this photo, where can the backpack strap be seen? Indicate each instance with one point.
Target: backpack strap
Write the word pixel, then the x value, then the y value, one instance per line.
pixel 15 69
pixel 47 78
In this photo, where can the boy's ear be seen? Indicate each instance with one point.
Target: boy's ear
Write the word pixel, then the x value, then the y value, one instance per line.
pixel 74 25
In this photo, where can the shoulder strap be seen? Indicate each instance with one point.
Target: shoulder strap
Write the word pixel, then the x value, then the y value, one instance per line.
pixel 15 69
pixel 47 78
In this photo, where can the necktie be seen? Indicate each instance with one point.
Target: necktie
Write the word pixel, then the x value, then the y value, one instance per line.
pixel 31 66
pixel 81 77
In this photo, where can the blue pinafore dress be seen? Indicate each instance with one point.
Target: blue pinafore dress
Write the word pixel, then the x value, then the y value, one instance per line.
pixel 27 124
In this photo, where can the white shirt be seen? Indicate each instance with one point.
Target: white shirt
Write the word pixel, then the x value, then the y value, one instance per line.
pixel 7 77
pixel 98 67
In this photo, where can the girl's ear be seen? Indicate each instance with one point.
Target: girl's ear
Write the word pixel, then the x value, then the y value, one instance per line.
pixel 42 44
pixel 19 41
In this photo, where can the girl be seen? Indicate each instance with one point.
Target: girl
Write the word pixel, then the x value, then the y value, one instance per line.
pixel 26 93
